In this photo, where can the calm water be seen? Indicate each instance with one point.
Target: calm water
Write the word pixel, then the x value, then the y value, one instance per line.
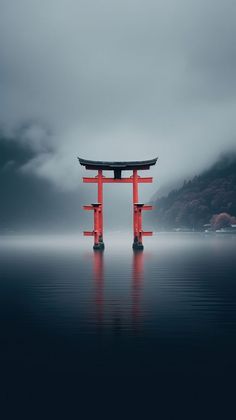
pixel 76 319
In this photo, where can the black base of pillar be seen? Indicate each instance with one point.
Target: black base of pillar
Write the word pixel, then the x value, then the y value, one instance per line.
pixel 138 246
pixel 99 247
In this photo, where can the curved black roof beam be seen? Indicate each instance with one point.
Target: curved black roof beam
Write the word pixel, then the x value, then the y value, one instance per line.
pixel 114 166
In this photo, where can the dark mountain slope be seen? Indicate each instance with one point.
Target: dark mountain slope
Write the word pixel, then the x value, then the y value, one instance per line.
pixel 193 205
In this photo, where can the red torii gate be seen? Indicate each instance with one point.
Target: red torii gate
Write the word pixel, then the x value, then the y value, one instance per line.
pixel 97 208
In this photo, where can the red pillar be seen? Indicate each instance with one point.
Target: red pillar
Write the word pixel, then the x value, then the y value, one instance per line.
pixel 96 233
pixel 137 244
pixel 96 225
pixel 140 227
pixel 100 199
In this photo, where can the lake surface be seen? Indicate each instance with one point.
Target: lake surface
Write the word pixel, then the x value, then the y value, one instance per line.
pixel 74 319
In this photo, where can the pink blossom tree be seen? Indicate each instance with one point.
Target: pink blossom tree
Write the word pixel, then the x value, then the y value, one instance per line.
pixel 222 220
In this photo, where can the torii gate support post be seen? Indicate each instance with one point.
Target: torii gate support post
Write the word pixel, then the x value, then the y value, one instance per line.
pixel 100 201
pixel 97 208
pixel 137 244
pixel 137 215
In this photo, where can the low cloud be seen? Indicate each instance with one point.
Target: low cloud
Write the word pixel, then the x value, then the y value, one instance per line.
pixel 118 80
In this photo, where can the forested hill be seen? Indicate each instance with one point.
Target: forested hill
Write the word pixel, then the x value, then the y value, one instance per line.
pixel 194 204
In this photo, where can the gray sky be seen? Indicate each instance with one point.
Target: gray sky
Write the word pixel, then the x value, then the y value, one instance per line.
pixel 118 80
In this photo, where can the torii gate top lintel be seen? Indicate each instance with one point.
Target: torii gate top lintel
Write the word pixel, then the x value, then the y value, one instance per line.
pixel 117 167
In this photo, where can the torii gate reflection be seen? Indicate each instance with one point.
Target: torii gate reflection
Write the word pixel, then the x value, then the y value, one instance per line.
pixel 136 287
pixel 97 208
pixel 98 270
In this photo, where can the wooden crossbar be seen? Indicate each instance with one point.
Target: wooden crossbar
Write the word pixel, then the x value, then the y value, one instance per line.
pixel 147 233
pixel 87 233
pixel 104 180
